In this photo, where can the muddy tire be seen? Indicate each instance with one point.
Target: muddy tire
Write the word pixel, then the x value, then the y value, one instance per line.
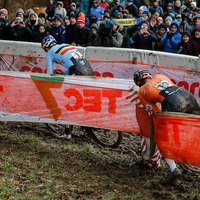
pixel 191 168
pixel 105 137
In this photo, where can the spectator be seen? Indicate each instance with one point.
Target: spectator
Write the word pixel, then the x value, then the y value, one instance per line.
pixel 196 21
pixel 81 34
pixel 28 12
pixel 193 5
pixel 20 13
pixel 188 3
pixel 162 29
pixel 96 9
pixel 155 8
pixel 41 34
pixel 146 16
pixel 169 11
pixel 78 4
pixel 125 12
pixel 66 4
pixel 144 37
pixel 50 9
pixel 115 7
pixel 184 46
pixel 190 18
pixel 107 14
pixel 82 13
pixel 33 22
pixel 168 21
pixel 18 31
pixel 43 18
pixel 183 24
pixel 177 6
pixel 103 4
pixel 72 9
pixel 70 29
pixel 172 38
pixel 92 18
pixel 195 41
pixel 139 3
pixel 85 6
pixel 165 4
pixel 58 30
pixel 126 40
pixel 93 35
pixel 3 24
pixel 120 8
pixel 66 21
pixel 108 35
pixel 132 8
pixel 142 9
pixel 6 13
pixel 59 9
pixel 119 15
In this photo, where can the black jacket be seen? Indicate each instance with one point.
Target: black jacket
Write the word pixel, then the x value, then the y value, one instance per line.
pixel 141 42
pixel 81 36
pixel 70 30
pixel 139 3
pixel 19 33
pixel 133 10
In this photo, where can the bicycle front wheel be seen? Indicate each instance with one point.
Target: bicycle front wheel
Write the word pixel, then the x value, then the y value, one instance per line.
pixel 105 137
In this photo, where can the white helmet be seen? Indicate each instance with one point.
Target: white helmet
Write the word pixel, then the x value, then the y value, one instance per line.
pixel 48 42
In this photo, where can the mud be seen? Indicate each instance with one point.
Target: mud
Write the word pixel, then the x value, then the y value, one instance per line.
pixel 122 172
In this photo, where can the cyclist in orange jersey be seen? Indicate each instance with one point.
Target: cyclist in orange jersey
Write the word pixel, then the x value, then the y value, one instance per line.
pixel 160 89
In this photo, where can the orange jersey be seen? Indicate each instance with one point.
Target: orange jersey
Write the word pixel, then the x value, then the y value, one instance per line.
pixel 149 93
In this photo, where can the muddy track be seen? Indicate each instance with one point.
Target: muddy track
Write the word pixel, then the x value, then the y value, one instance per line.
pixel 127 176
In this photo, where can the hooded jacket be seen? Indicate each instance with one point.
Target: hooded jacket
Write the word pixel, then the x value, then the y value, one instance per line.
pixel 60 10
pixel 50 10
pixel 171 44
pixel 34 27
pixel 153 9
pixel 38 37
pixel 191 28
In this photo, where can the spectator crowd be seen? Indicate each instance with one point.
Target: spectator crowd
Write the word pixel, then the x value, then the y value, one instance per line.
pixel 166 25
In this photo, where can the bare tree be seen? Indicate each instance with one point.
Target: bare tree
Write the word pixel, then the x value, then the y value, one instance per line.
pixel 7 5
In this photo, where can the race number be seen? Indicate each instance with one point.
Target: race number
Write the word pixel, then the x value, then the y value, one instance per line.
pixel 76 54
pixel 162 85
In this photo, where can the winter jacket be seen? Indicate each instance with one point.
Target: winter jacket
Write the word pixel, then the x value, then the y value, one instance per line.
pixel 33 27
pixel 115 40
pixel 19 33
pixel 126 41
pixel 195 42
pixel 153 9
pixel 164 5
pixel 133 10
pixel 60 10
pixel 50 11
pixel 81 36
pixel 99 11
pixel 70 30
pixel 58 33
pixel 171 44
pixel 142 42
pixel 191 28
pixel 38 37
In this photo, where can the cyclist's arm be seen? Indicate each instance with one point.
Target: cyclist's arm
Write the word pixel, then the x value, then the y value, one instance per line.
pixel 149 105
pixel 49 61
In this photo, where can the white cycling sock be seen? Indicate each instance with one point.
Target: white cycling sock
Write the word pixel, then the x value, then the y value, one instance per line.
pixel 171 164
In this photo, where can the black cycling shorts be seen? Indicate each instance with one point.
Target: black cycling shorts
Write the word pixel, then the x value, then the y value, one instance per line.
pixel 178 99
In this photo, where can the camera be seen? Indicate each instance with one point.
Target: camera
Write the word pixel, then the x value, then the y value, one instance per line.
pixel 142 27
pixel 170 34
pixel 106 28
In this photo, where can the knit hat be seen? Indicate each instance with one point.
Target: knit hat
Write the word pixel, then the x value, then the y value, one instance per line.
pixel 168 18
pixel 157 11
pixel 174 25
pixel 80 11
pixel 2 13
pixel 194 3
pixel 66 17
pixel 19 10
pixel 114 21
pixel 41 15
pixel 81 20
pixel 57 18
pixel 29 11
pixel 73 4
pixel 129 16
pixel 125 11
pixel 186 33
pixel 160 18
pixel 94 26
pixel 4 10
pixel 108 11
pixel 72 15
pixel 163 25
pixel 155 0
pixel 170 4
pixel 119 14
pixel 19 18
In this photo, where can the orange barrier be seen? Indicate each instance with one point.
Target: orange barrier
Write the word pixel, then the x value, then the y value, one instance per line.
pixel 177 136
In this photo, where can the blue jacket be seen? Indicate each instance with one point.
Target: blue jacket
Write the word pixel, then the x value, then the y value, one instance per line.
pixel 99 11
pixel 58 33
pixel 171 44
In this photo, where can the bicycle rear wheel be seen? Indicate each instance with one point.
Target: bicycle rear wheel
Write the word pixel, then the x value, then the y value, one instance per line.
pixel 105 137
